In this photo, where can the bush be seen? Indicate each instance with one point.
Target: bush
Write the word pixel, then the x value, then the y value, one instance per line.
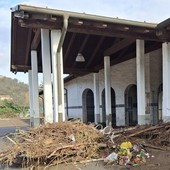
pixel 10 109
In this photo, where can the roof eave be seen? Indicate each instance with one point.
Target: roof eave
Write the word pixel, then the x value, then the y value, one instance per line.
pixel 34 9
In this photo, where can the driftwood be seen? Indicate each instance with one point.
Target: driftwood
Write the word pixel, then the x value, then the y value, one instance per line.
pixel 146 130
pixel 155 137
pixel 68 142
pixel 154 147
pixel 11 140
pixel 53 143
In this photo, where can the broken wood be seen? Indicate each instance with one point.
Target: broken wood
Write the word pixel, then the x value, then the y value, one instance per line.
pixel 154 147
pixel 11 140
pixel 145 130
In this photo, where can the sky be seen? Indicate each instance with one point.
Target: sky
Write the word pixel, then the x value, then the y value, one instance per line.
pixel 139 10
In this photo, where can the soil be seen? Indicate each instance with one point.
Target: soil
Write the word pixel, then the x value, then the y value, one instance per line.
pixel 159 160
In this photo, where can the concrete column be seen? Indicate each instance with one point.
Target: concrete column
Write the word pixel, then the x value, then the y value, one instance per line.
pixel 55 37
pixel 120 108
pixel 61 114
pixel 46 63
pixel 140 66
pixel 96 98
pixel 107 90
pixel 150 116
pixel 35 93
pixel 31 98
pixel 166 82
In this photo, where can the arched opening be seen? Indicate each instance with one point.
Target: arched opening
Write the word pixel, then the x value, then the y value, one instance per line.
pixel 88 106
pixel 113 105
pixel 131 105
pixel 160 99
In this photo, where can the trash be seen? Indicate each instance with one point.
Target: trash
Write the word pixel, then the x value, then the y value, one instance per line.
pixel 107 130
pixel 112 157
pixel 123 160
pixel 71 137
pixel 128 154
pixel 126 145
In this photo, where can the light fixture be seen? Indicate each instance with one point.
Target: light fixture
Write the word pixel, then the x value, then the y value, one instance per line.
pixel 80 22
pixel 126 28
pixel 80 58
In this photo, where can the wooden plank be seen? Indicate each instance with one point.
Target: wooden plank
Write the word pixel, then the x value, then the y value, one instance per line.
pixel 36 40
pixel 39 24
pixel 114 33
pixel 27 52
pixel 118 46
pixel 68 70
pixel 95 51
pixel 69 46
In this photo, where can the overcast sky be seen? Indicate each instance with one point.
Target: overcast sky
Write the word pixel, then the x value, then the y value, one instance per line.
pixel 139 10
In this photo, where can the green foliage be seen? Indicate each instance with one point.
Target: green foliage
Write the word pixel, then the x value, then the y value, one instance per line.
pixel 10 109
pixel 18 91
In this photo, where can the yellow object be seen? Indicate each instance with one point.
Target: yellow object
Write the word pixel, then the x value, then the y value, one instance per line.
pixel 126 145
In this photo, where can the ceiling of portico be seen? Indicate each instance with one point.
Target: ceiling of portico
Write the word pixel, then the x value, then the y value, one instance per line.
pixel 93 36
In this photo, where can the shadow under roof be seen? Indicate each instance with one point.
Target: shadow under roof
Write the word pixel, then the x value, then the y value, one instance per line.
pixel 93 36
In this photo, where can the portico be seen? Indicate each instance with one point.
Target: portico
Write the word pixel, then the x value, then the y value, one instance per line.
pixel 48 41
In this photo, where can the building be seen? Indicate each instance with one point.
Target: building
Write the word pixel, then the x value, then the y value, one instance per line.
pixel 118 69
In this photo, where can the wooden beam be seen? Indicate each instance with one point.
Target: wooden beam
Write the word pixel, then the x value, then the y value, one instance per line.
pixel 82 47
pixel 114 33
pixel 39 24
pixel 71 70
pixel 13 39
pixel 27 52
pixel 120 55
pixel 36 40
pixel 23 68
pixel 94 52
pixel 69 46
pixel 83 44
pixel 118 46
pixel 107 25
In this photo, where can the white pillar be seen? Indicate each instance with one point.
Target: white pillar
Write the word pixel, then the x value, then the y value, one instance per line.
pixel 46 64
pixel 166 81
pixel 107 90
pixel 55 37
pixel 31 98
pixel 62 116
pixel 149 99
pixel 140 66
pixel 96 98
pixel 34 82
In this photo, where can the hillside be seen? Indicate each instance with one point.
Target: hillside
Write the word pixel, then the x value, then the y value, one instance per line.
pixel 14 89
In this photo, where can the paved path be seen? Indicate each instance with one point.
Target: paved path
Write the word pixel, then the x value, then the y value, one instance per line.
pixel 11 125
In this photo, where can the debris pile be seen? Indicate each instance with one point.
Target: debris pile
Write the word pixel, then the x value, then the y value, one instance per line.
pixel 156 137
pixel 53 144
pixel 73 141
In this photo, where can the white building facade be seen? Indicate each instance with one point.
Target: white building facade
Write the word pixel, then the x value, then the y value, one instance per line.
pixel 118 69
pixel 80 93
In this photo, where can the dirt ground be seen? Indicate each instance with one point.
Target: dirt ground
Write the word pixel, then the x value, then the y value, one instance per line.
pixel 159 160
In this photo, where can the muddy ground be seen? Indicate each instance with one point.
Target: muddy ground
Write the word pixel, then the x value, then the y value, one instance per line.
pixel 159 160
